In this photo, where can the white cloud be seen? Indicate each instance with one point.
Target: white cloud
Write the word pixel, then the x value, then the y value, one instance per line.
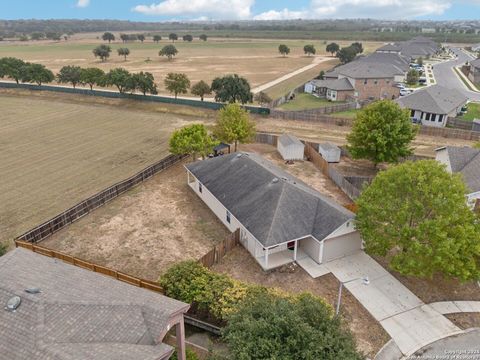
pixel 83 3
pixel 385 9
pixel 213 9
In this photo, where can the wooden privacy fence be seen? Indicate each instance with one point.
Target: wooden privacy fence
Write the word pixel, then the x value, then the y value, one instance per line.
pixel 220 250
pixel 132 280
pixel 81 209
pixel 313 155
pixel 318 111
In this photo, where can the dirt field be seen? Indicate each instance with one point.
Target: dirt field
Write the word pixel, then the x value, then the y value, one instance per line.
pixel 146 230
pixel 54 154
pixel 317 132
pixel 369 334
pixel 304 170
pixel 256 59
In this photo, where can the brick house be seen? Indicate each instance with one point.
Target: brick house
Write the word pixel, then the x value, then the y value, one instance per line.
pixel 474 73
pixel 332 90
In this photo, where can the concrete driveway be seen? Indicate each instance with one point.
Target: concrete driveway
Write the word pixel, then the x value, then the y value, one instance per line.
pixel 446 76
pixel 409 322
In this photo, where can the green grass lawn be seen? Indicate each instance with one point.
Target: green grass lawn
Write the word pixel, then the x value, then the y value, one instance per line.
pixel 306 102
pixel 345 114
pixel 473 112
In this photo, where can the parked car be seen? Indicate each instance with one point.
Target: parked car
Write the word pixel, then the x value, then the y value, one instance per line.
pixel 400 85
pixel 422 80
pixel 405 91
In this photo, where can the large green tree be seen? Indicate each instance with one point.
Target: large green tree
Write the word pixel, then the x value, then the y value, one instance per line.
pixel 177 83
pixel 92 76
pixel 234 125
pixel 203 37
pixel 123 52
pixel 416 214
pixel 169 51
pixel 284 50
pixel 188 38
pixel 382 132
pixel 232 88
pixel 36 73
pixel 12 68
pixel 141 37
pixel 157 38
pixel 412 77
pixel 70 74
pixel 102 51
pixel 201 89
pixel 347 54
pixel 120 78
pixel 309 50
pixel 262 98
pixel 173 37
pixel 332 48
pixel 193 140
pixel 268 326
pixel 144 82
pixel 108 36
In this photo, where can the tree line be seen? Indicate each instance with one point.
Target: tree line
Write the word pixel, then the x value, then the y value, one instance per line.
pixel 108 36
pixel 228 88
pixel 345 54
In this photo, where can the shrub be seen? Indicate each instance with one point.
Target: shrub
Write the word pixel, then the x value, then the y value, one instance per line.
pixel 191 355
pixel 3 249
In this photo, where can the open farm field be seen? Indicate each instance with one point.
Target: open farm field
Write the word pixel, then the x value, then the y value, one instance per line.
pixel 256 59
pixel 54 154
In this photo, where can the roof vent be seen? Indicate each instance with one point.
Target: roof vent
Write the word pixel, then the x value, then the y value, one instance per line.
pixel 275 180
pixel 33 290
pixel 13 303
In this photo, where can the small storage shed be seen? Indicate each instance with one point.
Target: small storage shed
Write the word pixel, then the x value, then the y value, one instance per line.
pixel 331 153
pixel 290 147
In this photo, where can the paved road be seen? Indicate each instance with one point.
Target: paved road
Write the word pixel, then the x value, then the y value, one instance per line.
pixel 408 321
pixel 445 75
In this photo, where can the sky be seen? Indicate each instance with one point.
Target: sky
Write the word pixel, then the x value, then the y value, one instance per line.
pixel 165 10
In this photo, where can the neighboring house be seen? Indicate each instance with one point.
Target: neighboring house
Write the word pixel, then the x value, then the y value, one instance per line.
pixel 466 161
pixel 474 73
pixel 280 218
pixel 418 47
pixel 333 90
pixel 434 105
pixel 79 314
pixel 476 47
pixel 290 147
pixel 389 49
pixel 331 153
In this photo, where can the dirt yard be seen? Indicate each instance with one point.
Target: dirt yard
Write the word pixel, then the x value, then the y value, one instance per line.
pixel 304 170
pixel 317 132
pixel 145 230
pixel 369 335
pixel 465 320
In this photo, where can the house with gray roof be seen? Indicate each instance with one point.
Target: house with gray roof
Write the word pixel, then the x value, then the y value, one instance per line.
pixel 434 105
pixel 418 47
pixel 280 218
pixel 476 47
pixel 466 161
pixel 68 313
pixel 474 71
pixel 332 89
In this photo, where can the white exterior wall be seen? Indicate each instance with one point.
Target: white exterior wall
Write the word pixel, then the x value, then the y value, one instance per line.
pixel 442 157
pixel 330 155
pixel 312 247
pixel 291 152
pixel 309 88
pixel 439 120
pixel 331 95
pixel 341 246
pixel 346 228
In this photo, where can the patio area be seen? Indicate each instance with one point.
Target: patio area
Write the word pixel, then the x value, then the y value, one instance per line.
pixel 280 258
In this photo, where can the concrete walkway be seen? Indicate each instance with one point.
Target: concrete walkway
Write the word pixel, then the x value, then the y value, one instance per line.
pixel 316 60
pixel 451 307
pixel 409 322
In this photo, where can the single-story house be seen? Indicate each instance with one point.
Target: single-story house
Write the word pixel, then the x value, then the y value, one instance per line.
pixel 418 47
pixel 333 90
pixel 330 152
pixel 280 218
pixel 66 312
pixel 290 147
pixel 476 47
pixel 466 161
pixel 474 72
pixel 433 105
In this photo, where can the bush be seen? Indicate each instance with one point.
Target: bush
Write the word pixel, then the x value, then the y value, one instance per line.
pixel 191 355
pixel 3 249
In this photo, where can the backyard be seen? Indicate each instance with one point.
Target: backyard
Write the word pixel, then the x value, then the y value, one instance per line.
pixel 57 150
pixel 304 101
pixel 473 112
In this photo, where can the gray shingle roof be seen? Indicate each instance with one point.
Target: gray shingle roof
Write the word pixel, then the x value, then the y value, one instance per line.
pixel 334 84
pixel 364 69
pixel 399 61
pixel 78 314
pixel 273 211
pixel 389 47
pixel 475 63
pixel 434 99
pixel 287 140
pixel 466 161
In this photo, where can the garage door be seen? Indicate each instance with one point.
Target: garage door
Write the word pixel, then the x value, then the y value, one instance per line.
pixel 341 246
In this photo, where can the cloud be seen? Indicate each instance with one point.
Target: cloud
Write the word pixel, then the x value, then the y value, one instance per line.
pixel 213 9
pixel 83 3
pixel 385 9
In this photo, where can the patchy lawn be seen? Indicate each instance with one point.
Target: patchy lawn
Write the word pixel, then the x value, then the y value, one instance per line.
pixel 472 113
pixel 369 334
pixel 146 230
pixel 436 289
pixel 305 101
pixel 465 320
pixel 304 170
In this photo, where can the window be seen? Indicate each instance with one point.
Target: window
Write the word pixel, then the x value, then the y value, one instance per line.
pixel 375 81
pixel 427 116
pixel 228 216
pixel 388 82
pixel 200 187
pixel 440 118
pixel 365 82
pixel 412 113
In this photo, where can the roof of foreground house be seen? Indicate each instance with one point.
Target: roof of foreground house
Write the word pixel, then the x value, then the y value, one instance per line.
pixel 342 84
pixel 272 204
pixel 434 99
pixel 465 160
pixel 78 314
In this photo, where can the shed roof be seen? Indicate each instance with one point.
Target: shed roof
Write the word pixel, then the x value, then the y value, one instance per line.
pixel 289 140
pixel 78 314
pixel 434 99
pixel 329 146
pixel 272 205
